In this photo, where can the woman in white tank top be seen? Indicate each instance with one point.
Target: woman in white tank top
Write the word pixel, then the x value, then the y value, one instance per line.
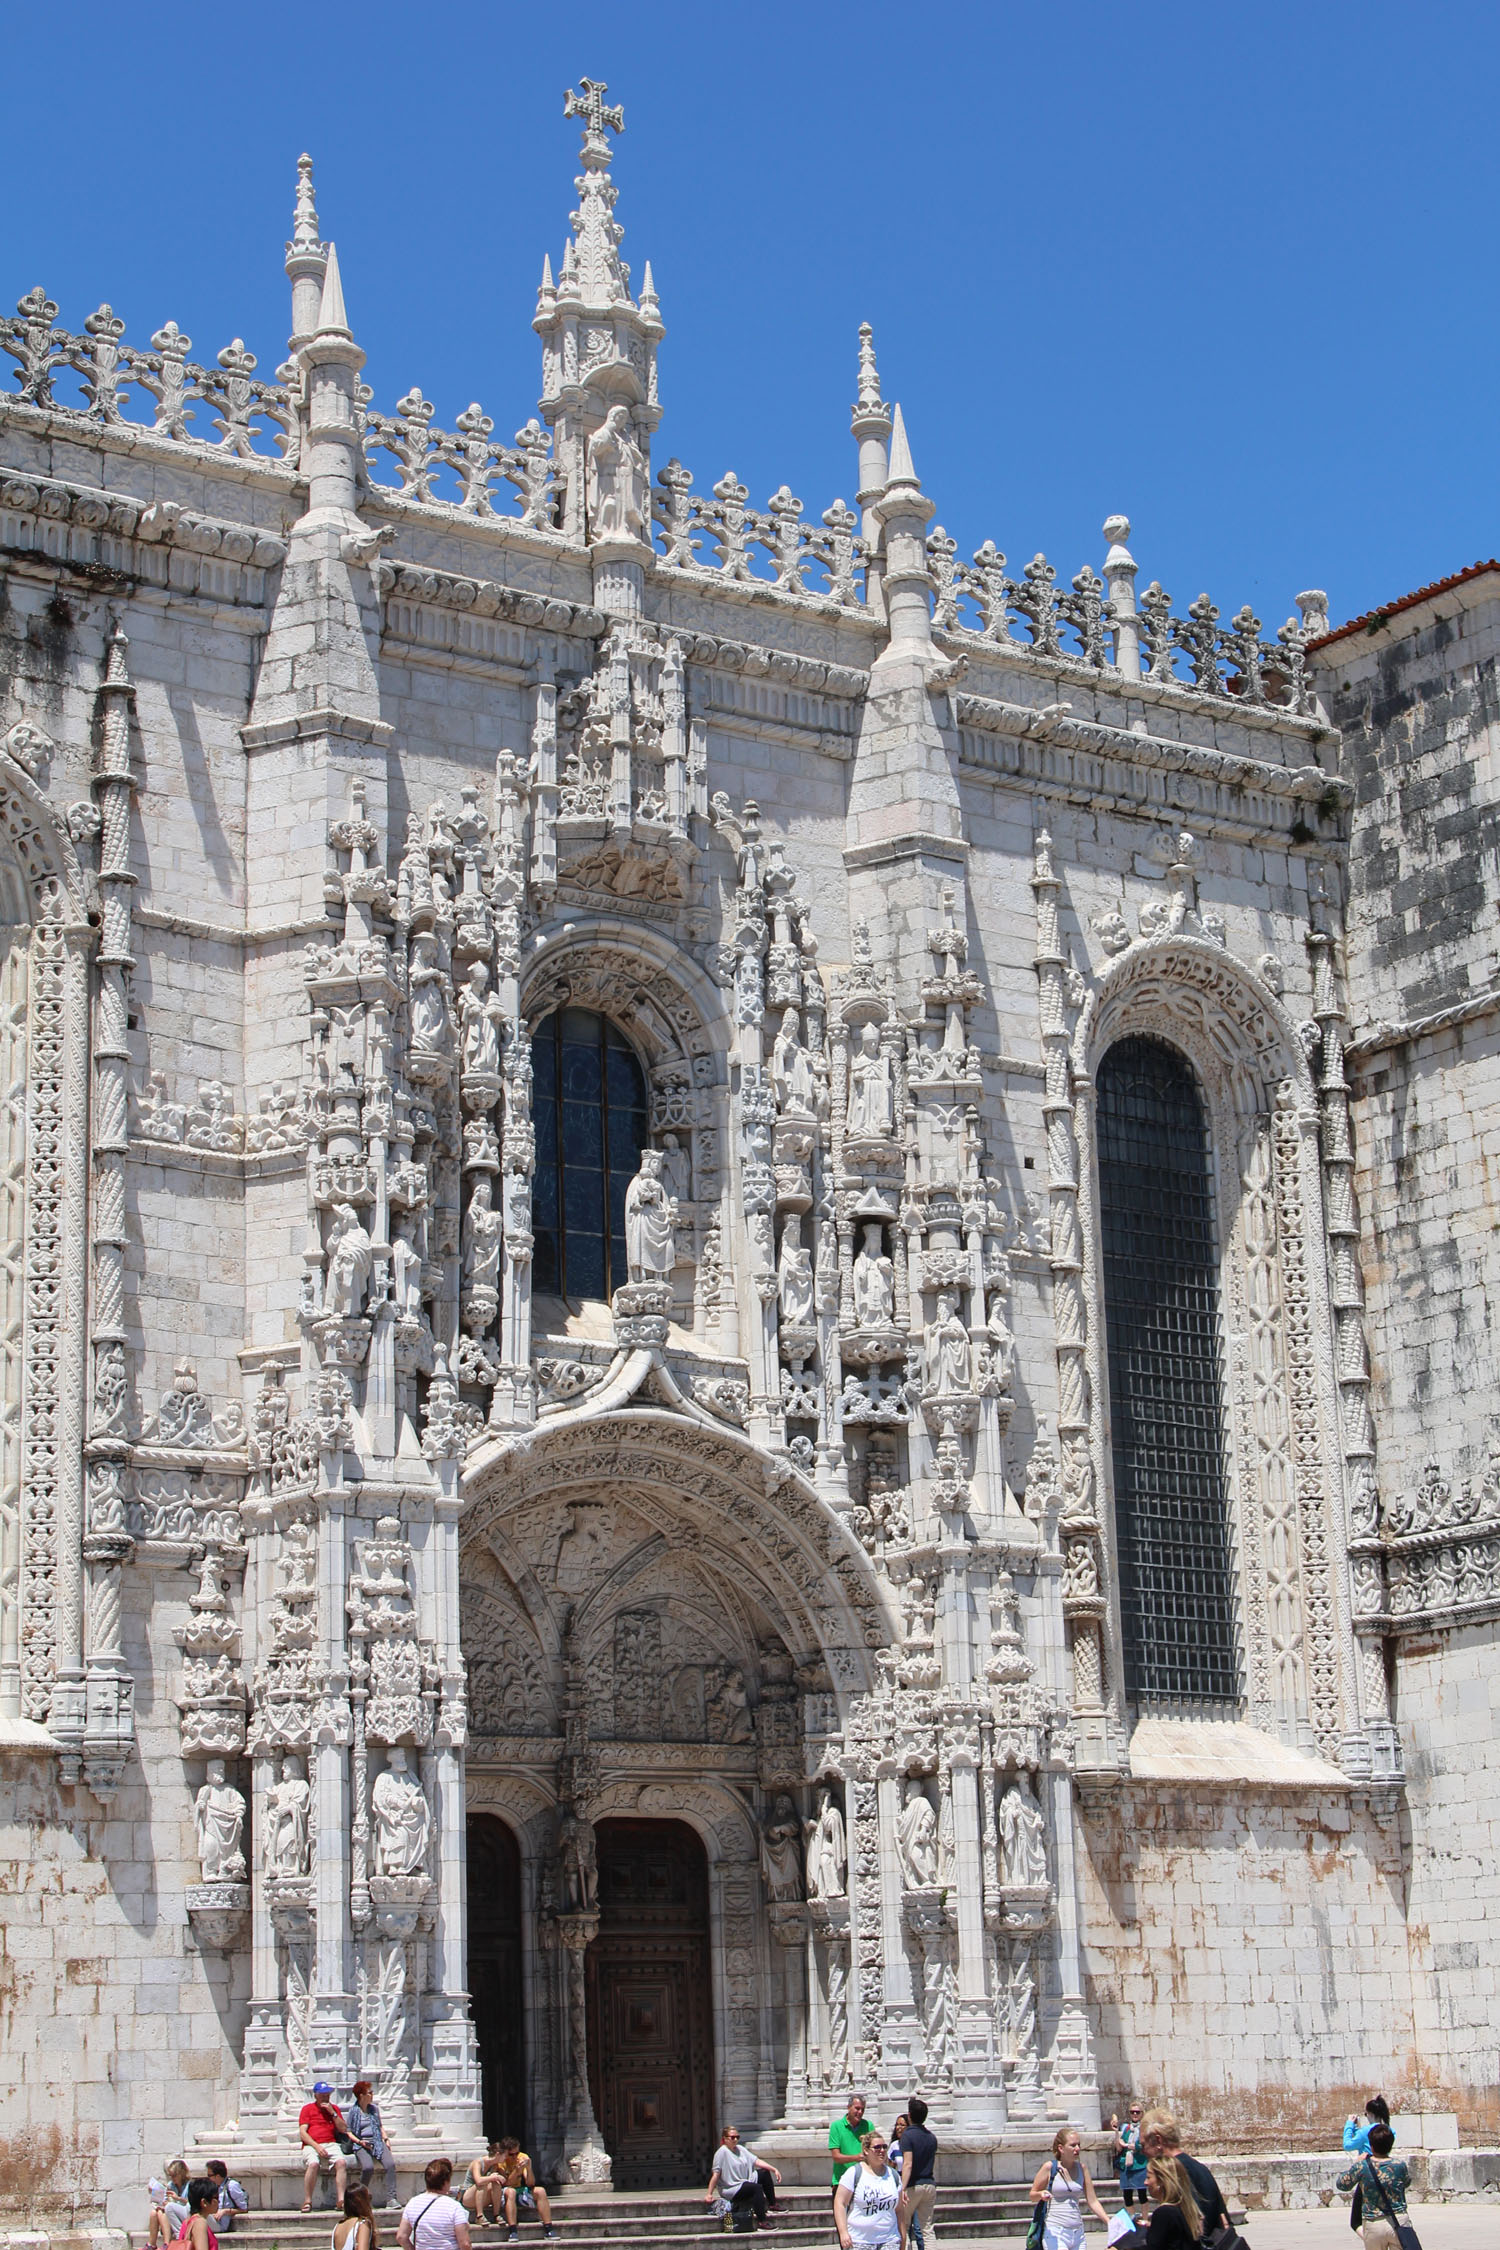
pixel 1063 2184
pixel 869 2209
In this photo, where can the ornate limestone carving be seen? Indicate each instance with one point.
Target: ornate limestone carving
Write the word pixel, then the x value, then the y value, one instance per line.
pixel 403 1818
pixel 650 1223
pixel 917 1840
pixel 781 1852
pixel 219 1816
pixel 827 1850
pixel 288 1809
pixel 1023 1838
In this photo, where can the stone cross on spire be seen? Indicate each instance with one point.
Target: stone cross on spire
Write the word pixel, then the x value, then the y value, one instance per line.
pixel 597 115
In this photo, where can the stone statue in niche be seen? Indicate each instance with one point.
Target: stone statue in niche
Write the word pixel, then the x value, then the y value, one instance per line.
pixel 946 1349
pixel 350 1258
pixel 727 1709
pixel 406 1271
pixel 219 1816
pixel 481 1253
pixel 1002 1341
pixel 794 1275
pixel 578 1857
pixel 827 1850
pixel 676 1169
pixel 429 1026
pixel 616 480
pixel 650 1222
pixel 288 1802
pixel 781 1852
pixel 874 1280
pixel 1023 1838
pixel 482 1015
pixel 872 1099
pixel 917 1840
pixel 403 1819
pixel 792 1070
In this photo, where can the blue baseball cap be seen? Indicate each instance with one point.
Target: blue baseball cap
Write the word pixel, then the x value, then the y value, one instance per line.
pixel 322 2087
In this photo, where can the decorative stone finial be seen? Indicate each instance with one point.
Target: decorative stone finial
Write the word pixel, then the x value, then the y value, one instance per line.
pixel 333 320
pixel 869 374
pixel 1314 607
pixel 902 470
pixel 305 217
pixel 598 117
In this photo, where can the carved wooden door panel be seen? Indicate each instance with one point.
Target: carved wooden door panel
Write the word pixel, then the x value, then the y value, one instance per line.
pixel 650 2016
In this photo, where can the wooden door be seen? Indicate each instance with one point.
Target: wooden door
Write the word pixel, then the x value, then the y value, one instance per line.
pixel 651 2064
pixel 495 1989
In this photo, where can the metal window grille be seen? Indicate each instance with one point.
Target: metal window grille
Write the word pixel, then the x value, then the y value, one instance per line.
pixel 590 1111
pixel 1166 1390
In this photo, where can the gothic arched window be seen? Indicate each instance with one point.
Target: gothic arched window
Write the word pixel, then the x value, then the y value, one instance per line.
pixel 1166 1385
pixel 589 1104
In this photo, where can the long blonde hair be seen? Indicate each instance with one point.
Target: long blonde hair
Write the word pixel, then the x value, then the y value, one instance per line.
pixel 1177 2188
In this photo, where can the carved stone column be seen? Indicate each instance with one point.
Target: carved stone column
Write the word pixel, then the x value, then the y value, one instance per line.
pixel 978 2085
pixel 585 2154
pixel 789 1928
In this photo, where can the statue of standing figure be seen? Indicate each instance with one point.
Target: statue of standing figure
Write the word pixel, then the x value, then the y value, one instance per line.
pixel 781 1852
pixel 874 1280
pixel 351 1255
pixel 917 1840
pixel 827 1850
pixel 650 1222
pixel 794 1275
pixel 219 1815
pixel 288 1803
pixel 403 1818
pixel 872 1099
pixel 792 1070
pixel 578 1853
pixel 616 480
pixel 946 1347
pixel 1023 1839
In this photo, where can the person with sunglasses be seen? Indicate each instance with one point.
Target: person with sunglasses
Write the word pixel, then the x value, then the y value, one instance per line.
pixel 869 2209
pixel 1130 2156
pixel 738 2178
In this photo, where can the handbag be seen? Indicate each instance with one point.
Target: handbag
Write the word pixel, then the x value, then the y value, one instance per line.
pixel 1406 2234
pixel 1038 2226
pixel 1357 2206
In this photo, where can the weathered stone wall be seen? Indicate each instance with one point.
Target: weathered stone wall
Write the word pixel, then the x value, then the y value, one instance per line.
pixel 121 2037
pixel 1271 1923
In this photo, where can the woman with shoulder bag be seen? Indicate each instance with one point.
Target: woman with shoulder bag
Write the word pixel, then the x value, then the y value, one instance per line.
pixel 1058 2194
pixel 195 2231
pixel 1379 2183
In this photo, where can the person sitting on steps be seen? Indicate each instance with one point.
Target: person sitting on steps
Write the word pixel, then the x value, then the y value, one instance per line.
pixel 483 2197
pixel 518 2185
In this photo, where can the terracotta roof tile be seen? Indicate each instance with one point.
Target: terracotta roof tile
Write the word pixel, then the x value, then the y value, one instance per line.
pixel 1374 618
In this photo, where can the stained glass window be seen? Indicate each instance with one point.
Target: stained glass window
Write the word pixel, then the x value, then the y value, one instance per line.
pixel 589 1105
pixel 1166 1384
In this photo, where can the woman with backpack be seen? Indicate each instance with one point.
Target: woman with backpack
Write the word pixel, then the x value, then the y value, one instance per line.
pixel 1059 2192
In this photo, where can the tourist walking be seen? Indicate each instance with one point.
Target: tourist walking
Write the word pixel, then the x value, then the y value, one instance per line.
pixel 918 2180
pixel 325 2136
pixel 846 2138
pixel 869 2209
pixel 1357 2133
pixel 368 2134
pixel 743 2181
pixel 1176 2223
pixel 435 2219
pixel 1380 2182
pixel 1063 2186
pixel 1160 2137
pixel 1130 2156
pixel 357 2229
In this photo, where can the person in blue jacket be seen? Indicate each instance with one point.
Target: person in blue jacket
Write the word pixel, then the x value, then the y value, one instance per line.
pixel 1357 2135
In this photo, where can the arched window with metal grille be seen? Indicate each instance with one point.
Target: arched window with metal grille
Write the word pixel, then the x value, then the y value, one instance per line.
pixel 1166 1382
pixel 590 1109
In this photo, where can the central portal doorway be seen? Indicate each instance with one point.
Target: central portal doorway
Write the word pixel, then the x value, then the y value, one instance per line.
pixel 495 2003
pixel 650 2009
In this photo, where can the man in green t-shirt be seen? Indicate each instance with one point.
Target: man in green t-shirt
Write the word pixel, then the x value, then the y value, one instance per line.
pixel 846 2138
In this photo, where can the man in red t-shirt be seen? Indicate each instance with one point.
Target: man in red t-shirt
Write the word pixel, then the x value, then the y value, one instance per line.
pixel 320 2123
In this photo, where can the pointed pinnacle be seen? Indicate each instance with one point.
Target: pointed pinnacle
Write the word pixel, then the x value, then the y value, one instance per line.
pixel 546 273
pixel 869 373
pixel 305 217
pixel 648 286
pixel 901 470
pixel 332 318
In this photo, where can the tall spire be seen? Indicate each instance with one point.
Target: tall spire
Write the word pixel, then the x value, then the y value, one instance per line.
pixel 603 280
pixel 306 255
pixel 870 423
pixel 901 470
pixel 332 318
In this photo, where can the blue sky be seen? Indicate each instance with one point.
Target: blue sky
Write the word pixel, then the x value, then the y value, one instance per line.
pixel 1229 270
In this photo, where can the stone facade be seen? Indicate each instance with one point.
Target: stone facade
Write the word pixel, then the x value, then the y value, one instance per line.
pixel 339 752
